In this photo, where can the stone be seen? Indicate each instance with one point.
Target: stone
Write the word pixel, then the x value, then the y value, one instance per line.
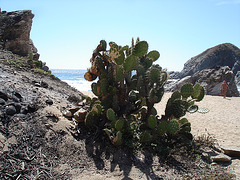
pixel 18 107
pixel 80 115
pixel 49 101
pixel 221 158
pixel 3 96
pixel 43 84
pixel 231 151
pixel 10 110
pixel 2 102
pixel 67 113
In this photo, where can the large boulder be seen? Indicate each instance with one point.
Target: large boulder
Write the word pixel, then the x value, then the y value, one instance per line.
pixel 211 79
pixel 15 30
pixel 222 55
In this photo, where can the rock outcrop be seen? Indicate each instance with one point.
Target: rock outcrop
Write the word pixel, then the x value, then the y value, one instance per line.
pixel 210 69
pixel 211 79
pixel 15 30
pixel 222 55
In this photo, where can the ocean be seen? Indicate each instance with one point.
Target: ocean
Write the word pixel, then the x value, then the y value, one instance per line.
pixel 75 78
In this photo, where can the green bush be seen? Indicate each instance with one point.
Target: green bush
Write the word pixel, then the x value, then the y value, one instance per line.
pixel 128 86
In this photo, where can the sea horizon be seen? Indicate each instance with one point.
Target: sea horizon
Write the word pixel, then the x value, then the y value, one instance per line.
pixel 75 78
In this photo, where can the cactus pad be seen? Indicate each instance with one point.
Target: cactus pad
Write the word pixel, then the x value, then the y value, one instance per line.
pixel 140 48
pixel 152 122
pixel 173 126
pixel 117 141
pixel 145 137
pixel 203 110
pixel 154 75
pixel 187 90
pixel 131 63
pixel 111 114
pixel 154 55
pixel 119 124
pixel 192 109
pixel 162 127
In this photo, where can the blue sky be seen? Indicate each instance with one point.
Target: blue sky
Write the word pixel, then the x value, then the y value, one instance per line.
pixel 67 31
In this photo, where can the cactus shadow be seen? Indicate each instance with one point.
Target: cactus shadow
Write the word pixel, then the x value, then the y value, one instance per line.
pixel 117 160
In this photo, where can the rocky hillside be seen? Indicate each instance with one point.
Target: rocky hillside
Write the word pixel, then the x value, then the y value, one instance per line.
pixel 221 55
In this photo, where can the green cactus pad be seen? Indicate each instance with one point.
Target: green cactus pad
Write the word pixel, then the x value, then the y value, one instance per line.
pixel 131 63
pixel 104 86
pixel 147 63
pixel 111 114
pixel 152 122
pixel 185 128
pixel 104 44
pixel 176 95
pixel 140 49
pixel 186 90
pixel 90 119
pixel 154 55
pixel 201 95
pixel 97 108
pixel 183 121
pixel 95 89
pixel 117 141
pixel 119 124
pixel 145 137
pixel 154 111
pixel 173 126
pixel 178 108
pixel 119 73
pixel 192 109
pixel 154 75
pixel 162 128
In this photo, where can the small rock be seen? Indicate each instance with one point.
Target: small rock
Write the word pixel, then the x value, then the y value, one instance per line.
pixel 80 115
pixel 221 158
pixel 37 84
pixel 18 95
pixel 49 101
pixel 11 110
pixel 32 107
pixel 74 109
pixel 3 96
pixel 24 110
pixel 231 151
pixel 2 102
pixel 18 107
pixel 67 113
pixel 48 126
pixel 44 84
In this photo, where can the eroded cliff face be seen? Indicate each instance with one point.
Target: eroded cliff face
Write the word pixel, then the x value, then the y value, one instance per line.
pixel 15 30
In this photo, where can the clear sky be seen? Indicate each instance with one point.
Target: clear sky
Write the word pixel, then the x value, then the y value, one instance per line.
pixel 67 31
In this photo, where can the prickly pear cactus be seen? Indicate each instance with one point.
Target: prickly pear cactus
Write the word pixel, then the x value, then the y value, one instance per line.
pixel 128 86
